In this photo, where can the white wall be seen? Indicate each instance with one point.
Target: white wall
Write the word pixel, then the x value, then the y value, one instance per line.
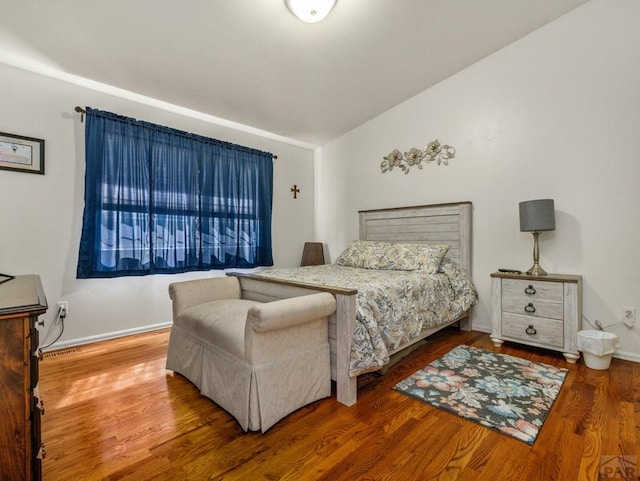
pixel 41 216
pixel 554 115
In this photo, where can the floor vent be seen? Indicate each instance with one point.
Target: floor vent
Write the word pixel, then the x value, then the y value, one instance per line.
pixel 58 353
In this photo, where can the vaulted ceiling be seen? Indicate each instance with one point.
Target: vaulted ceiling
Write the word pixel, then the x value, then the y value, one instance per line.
pixel 253 63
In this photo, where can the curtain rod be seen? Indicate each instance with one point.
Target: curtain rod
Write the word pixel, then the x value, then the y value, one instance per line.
pixel 82 111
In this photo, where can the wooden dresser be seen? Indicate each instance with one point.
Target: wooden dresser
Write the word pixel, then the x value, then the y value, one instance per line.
pixel 543 311
pixel 22 300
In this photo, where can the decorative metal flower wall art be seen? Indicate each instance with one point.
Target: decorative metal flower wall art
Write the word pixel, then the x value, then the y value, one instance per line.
pixel 433 152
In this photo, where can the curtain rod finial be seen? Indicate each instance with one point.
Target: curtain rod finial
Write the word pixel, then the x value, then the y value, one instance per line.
pixel 81 111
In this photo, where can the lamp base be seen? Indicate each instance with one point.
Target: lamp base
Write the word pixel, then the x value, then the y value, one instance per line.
pixel 536 270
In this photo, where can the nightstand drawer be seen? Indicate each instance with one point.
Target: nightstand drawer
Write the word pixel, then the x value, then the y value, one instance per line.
pixel 529 289
pixel 533 329
pixel 531 307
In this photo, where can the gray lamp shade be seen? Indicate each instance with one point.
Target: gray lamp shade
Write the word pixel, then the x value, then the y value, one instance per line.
pixel 537 215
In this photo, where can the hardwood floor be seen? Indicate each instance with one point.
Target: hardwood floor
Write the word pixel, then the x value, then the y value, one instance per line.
pixel 114 413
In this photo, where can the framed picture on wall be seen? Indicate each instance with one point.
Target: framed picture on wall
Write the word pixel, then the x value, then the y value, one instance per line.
pixel 22 154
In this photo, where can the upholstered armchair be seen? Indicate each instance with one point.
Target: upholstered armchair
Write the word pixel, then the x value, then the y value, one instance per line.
pixel 258 361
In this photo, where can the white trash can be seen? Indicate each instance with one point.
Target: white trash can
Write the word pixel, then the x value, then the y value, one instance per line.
pixel 597 348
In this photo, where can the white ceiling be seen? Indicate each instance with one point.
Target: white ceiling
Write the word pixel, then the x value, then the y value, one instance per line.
pixel 253 63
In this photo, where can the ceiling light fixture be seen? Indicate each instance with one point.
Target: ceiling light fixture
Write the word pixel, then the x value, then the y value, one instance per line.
pixel 310 11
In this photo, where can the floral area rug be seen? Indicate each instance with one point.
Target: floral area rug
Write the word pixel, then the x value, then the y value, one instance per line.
pixel 505 393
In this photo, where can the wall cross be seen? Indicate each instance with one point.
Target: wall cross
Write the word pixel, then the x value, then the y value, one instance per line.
pixel 295 191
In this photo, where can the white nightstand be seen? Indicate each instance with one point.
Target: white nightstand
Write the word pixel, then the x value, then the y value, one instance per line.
pixel 542 311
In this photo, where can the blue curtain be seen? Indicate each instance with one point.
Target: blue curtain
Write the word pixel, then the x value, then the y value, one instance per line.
pixel 160 201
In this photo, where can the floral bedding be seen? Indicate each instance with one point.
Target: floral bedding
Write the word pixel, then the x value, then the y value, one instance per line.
pixel 393 306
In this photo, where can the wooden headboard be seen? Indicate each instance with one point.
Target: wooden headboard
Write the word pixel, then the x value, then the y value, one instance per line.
pixel 429 224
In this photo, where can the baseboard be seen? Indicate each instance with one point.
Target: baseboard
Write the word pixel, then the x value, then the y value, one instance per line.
pixel 106 336
pixel 481 328
pixel 624 355
pixel 627 356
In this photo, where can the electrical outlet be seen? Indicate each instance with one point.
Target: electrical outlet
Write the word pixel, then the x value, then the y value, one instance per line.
pixel 629 316
pixel 63 308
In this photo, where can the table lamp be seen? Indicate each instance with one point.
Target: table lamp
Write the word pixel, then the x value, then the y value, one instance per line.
pixel 537 216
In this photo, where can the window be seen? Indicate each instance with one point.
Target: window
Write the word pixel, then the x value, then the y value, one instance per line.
pixel 160 201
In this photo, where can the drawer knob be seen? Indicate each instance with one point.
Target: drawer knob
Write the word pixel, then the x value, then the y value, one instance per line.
pixel 531 330
pixel 530 289
pixel 530 308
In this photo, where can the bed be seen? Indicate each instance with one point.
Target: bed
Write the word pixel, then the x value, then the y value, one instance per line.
pixel 369 290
